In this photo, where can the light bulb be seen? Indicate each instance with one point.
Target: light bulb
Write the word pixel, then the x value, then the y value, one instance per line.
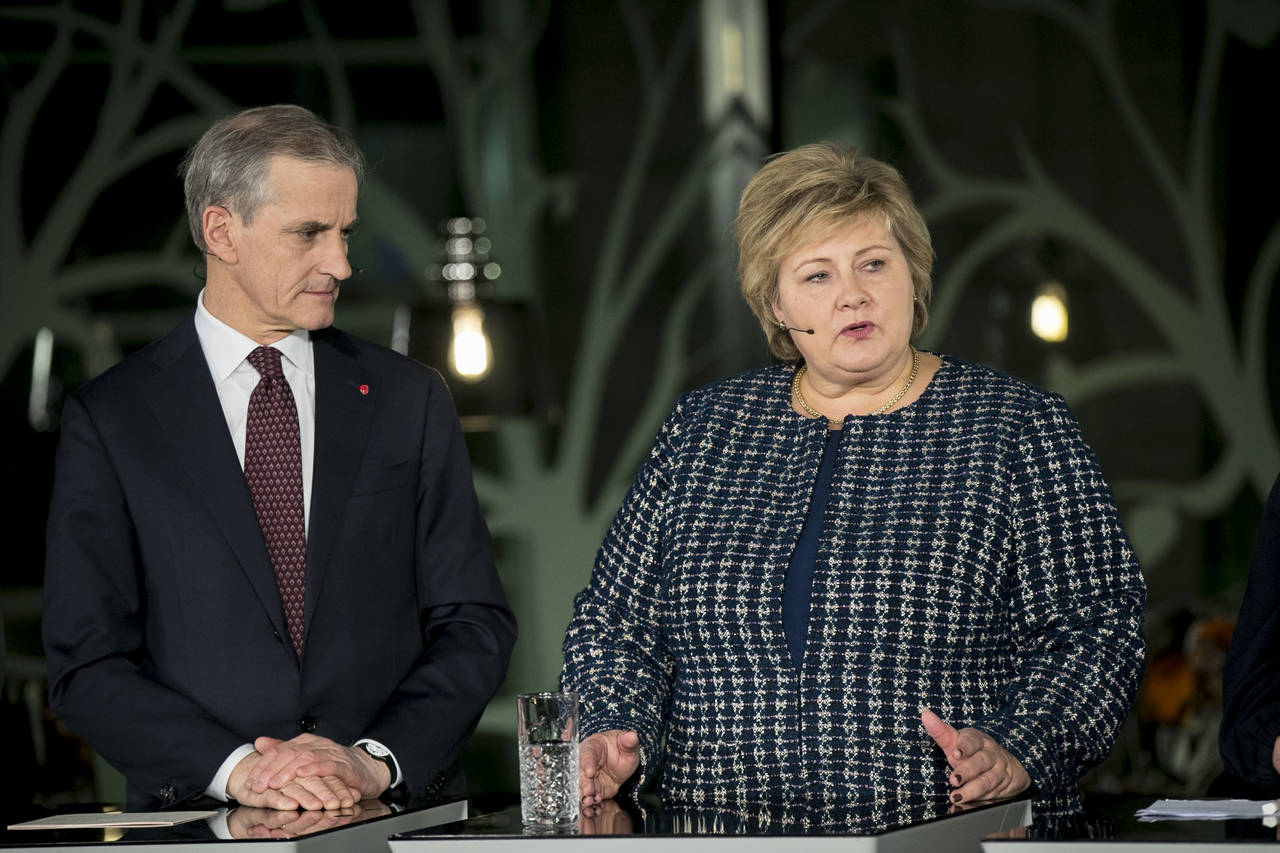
pixel 1049 320
pixel 470 354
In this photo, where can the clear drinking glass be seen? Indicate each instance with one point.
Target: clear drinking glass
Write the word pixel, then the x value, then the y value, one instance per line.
pixel 547 734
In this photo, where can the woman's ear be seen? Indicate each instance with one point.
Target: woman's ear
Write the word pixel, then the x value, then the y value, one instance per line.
pixel 777 310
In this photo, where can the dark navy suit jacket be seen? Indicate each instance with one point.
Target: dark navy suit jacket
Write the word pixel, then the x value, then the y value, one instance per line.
pixel 164 629
pixel 1251 679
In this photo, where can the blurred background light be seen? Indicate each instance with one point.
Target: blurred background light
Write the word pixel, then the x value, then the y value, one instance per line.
pixel 1049 319
pixel 470 353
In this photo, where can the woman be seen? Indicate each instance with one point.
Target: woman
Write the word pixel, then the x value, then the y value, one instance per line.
pixel 820 555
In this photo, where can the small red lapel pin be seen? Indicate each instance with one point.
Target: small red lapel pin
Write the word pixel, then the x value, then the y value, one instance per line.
pixel 364 390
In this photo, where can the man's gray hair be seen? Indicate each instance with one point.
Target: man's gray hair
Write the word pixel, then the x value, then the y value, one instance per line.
pixel 228 165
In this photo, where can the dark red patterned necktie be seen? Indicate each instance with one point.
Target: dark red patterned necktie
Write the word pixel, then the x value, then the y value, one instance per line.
pixel 273 470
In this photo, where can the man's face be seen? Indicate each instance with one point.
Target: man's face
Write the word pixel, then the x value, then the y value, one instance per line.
pixel 284 268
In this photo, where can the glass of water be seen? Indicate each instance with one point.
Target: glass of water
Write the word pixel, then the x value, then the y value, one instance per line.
pixel 547 735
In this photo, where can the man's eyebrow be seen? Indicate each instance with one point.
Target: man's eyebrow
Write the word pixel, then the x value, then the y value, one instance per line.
pixel 318 226
pixel 312 225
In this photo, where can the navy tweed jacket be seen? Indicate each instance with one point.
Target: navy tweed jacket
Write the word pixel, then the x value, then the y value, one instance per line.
pixel 971 560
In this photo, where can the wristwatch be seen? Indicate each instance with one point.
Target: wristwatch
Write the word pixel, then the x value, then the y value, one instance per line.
pixel 383 754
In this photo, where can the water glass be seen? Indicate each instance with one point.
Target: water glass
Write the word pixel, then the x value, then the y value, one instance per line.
pixel 547 734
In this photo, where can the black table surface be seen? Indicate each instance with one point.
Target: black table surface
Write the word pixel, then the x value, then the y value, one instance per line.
pixel 1110 817
pixel 500 817
pixel 268 824
pixel 1114 818
pixel 1104 818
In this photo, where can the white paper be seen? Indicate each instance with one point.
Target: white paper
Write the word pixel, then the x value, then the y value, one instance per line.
pixel 1207 810
pixel 112 820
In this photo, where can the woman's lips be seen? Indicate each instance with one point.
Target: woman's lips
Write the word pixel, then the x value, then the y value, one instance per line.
pixel 858 331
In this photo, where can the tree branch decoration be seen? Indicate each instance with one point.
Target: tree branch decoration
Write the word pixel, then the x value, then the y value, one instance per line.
pixel 1199 341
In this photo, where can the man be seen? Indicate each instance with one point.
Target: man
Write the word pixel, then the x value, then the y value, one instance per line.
pixel 268 579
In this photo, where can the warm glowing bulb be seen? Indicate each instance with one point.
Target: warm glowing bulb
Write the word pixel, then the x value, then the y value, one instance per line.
pixel 1049 313
pixel 470 353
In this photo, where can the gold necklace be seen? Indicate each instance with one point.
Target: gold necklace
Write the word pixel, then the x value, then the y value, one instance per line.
pixel 837 424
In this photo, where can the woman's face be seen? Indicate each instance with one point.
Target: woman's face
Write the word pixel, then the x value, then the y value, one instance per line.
pixel 854 290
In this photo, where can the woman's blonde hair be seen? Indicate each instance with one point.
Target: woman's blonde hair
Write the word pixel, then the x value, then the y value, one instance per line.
pixel 806 195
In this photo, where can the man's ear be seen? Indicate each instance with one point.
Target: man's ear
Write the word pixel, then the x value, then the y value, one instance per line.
pixel 216 225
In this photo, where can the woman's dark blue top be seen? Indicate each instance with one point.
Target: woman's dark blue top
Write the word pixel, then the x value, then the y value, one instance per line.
pixel 795 592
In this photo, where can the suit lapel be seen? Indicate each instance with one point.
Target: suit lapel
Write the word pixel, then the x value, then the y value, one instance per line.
pixel 183 399
pixel 345 399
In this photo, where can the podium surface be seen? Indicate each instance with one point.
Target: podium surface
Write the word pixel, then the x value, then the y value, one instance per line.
pixel 1004 827
pixel 348 831
pixel 880 827
pixel 1109 825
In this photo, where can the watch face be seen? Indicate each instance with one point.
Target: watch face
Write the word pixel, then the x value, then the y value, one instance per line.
pixel 376 750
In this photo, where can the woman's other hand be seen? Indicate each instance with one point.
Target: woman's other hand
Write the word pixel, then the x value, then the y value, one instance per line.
pixel 981 769
pixel 605 761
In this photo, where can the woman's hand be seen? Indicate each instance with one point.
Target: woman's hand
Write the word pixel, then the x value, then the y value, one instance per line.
pixel 605 761
pixel 981 769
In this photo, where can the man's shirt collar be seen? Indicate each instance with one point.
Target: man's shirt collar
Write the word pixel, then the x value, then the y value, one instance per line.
pixel 226 349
